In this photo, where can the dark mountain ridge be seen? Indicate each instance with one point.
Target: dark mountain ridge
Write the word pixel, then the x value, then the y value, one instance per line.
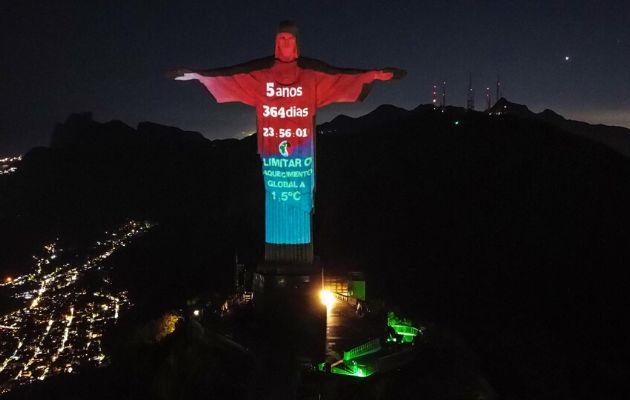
pixel 505 228
pixel 616 137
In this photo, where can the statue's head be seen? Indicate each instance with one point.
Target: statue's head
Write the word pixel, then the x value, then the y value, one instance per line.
pixel 287 42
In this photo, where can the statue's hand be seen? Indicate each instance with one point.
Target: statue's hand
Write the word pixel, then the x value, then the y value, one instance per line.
pixel 180 74
pixel 383 75
pixel 395 73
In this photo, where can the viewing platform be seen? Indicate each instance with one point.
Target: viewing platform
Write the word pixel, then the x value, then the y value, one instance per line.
pixel 361 342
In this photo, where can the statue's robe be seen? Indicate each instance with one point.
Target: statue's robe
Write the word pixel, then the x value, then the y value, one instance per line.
pixel 286 96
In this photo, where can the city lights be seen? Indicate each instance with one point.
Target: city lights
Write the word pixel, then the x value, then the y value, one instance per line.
pixel 8 165
pixel 59 326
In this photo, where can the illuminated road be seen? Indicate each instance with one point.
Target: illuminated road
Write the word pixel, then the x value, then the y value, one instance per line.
pixel 59 326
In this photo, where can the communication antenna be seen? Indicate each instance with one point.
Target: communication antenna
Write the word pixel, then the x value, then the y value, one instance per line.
pixel 443 95
pixel 470 102
pixel 434 94
pixel 498 87
pixel 488 99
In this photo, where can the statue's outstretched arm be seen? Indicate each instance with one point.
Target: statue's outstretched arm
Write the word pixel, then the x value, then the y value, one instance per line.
pixel 346 84
pixel 237 83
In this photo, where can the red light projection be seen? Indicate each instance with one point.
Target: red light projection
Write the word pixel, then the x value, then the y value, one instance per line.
pixel 286 91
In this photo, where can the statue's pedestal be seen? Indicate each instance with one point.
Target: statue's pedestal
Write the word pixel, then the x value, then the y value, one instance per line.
pixel 286 296
pixel 281 288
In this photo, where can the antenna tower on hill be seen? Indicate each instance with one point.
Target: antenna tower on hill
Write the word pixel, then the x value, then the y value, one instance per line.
pixel 498 88
pixel 488 99
pixel 470 101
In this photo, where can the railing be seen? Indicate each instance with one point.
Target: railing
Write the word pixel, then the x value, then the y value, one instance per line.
pixel 406 330
pixel 370 347
pixel 346 299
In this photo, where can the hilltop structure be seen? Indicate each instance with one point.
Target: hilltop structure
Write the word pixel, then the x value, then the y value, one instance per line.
pixel 287 90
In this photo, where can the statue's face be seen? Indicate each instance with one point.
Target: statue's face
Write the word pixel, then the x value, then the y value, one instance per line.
pixel 286 47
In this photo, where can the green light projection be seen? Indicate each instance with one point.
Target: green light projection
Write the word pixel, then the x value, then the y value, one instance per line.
pixel 403 327
pixel 403 333
pixel 349 369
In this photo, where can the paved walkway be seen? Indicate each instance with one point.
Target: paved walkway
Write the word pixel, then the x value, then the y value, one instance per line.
pixel 345 330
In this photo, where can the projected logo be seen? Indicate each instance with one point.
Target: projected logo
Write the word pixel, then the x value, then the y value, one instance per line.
pixel 284 148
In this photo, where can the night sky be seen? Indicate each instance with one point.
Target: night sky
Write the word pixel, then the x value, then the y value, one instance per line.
pixel 109 57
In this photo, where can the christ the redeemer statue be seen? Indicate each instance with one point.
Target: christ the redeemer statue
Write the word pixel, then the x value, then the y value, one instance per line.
pixel 287 90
